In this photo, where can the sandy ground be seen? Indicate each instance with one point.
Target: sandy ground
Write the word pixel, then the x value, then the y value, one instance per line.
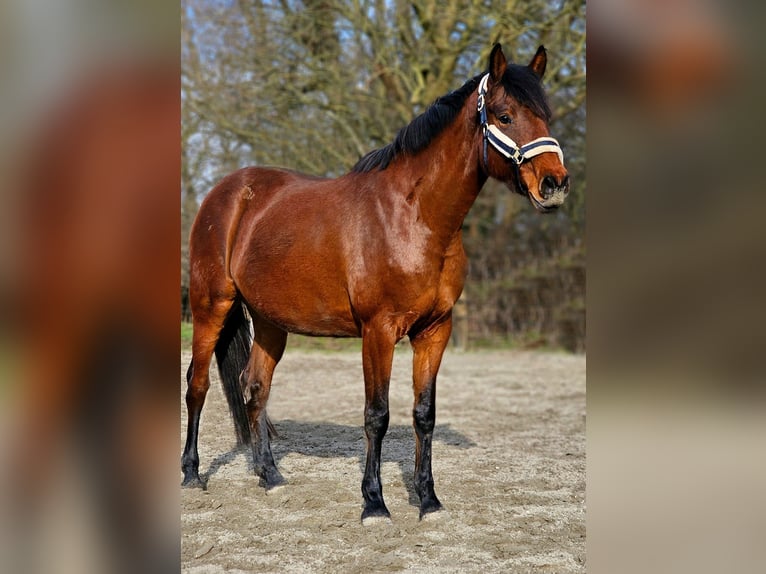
pixel 508 461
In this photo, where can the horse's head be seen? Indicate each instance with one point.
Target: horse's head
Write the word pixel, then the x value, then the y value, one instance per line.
pixel 516 146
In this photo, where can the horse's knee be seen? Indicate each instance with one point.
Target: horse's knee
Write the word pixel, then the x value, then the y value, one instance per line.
pixel 424 420
pixel 376 419
pixel 424 414
pixel 197 391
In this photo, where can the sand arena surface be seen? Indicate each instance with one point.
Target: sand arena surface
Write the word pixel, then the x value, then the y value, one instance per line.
pixel 508 463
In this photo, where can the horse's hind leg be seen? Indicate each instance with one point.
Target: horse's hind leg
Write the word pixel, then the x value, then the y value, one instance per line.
pixel 428 347
pixel 268 345
pixel 208 322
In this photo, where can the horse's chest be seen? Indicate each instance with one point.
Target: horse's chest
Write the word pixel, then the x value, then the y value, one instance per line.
pixel 407 250
pixel 431 285
pixel 406 262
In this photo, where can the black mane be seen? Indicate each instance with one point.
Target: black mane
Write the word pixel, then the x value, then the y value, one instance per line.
pixel 416 135
pixel 519 81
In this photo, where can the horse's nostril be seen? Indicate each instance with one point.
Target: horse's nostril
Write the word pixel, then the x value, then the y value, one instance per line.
pixel 548 187
pixel 551 185
pixel 565 184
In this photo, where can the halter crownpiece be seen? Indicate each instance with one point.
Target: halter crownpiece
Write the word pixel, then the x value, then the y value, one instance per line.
pixel 505 145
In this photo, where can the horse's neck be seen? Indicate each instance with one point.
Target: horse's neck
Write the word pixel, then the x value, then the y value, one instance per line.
pixel 446 176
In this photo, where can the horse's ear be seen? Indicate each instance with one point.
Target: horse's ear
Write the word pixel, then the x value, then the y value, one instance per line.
pixel 539 60
pixel 497 63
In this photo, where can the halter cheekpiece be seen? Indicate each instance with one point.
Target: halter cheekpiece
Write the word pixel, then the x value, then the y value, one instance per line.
pixel 505 145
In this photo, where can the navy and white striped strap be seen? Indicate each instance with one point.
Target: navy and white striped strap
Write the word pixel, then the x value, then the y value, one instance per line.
pixel 519 154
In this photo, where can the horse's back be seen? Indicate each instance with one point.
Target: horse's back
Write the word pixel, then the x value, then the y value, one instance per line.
pixel 241 191
pixel 247 183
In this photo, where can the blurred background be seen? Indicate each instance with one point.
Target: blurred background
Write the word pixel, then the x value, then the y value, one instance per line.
pixel 676 252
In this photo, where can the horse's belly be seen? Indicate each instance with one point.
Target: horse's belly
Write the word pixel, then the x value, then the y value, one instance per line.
pixel 300 307
pixel 314 320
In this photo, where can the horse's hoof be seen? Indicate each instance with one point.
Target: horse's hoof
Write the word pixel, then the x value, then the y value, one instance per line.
pixel 431 508
pixel 274 483
pixel 194 482
pixel 377 515
pixel 374 520
pixel 274 488
pixel 434 515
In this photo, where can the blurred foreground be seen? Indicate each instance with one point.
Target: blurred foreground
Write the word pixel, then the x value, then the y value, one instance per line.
pixel 88 287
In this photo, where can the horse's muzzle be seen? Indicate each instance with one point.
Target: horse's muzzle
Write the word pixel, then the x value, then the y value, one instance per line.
pixel 553 191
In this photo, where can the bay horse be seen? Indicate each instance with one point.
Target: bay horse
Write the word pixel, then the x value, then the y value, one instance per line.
pixel 376 253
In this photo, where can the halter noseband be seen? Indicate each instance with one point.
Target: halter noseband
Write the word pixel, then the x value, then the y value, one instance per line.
pixel 505 145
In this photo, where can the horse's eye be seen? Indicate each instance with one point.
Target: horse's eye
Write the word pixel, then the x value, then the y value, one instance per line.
pixel 504 119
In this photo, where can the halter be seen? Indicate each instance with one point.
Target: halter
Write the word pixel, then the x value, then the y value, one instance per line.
pixel 505 145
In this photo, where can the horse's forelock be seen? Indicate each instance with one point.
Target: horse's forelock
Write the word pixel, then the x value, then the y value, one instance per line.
pixel 525 86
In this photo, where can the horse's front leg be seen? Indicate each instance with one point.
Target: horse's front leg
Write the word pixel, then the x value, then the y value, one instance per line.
pixel 428 347
pixel 377 356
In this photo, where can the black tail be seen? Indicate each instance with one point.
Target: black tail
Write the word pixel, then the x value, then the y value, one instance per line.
pixel 231 353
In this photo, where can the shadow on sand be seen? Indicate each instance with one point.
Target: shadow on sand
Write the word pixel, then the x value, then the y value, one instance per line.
pixel 330 440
